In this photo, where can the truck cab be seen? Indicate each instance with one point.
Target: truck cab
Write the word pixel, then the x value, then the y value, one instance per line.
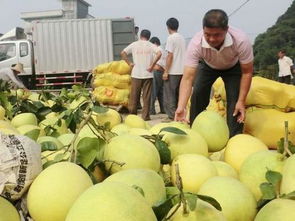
pixel 19 51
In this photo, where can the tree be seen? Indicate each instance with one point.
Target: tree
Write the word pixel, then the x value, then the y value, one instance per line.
pixel 279 36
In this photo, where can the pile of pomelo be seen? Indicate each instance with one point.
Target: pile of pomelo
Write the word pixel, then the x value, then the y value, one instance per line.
pixel 122 168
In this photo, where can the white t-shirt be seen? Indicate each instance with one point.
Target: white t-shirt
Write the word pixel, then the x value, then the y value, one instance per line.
pixel 142 54
pixel 285 64
pixel 162 60
pixel 176 45
pixel 6 74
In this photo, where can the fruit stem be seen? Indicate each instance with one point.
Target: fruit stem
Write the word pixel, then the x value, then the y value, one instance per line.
pixel 179 185
pixel 286 140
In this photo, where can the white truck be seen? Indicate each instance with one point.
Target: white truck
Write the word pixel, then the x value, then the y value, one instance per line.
pixel 63 52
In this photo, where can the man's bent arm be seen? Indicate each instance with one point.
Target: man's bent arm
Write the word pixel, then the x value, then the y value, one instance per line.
pixel 169 60
pixel 125 57
pixel 247 72
pixel 186 85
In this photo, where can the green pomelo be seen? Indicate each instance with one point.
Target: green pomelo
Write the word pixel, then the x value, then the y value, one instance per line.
pixel 111 116
pixel 277 210
pixel 30 131
pixel 213 128
pixel 111 201
pixel 288 181
pixel 253 170
pixel 194 170
pixel 203 212
pixel 149 181
pixel 139 132
pixel 53 122
pixel 191 143
pixel 24 119
pixel 236 200
pixel 120 129
pixel 8 211
pixel 54 191
pixel 240 147
pixel 133 151
pixel 224 169
pixel 135 121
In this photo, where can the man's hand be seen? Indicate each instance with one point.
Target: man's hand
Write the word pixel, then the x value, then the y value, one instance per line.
pixel 165 76
pixel 240 112
pixel 180 115
pixel 150 69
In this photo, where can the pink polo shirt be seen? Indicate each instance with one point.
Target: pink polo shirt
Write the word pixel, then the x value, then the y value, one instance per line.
pixel 236 47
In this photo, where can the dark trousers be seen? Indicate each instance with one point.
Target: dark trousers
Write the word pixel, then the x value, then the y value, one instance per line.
pixel 157 92
pixel 205 77
pixel 171 93
pixel 285 79
pixel 138 85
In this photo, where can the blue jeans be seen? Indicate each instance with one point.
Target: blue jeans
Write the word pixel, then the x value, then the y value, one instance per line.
pixel 157 92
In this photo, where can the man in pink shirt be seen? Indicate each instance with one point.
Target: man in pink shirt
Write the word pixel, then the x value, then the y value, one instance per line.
pixel 217 51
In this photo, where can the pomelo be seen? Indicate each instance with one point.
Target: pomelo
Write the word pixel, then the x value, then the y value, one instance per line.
pixel 191 143
pixel 8 211
pixel 194 170
pixel 213 128
pixel 133 151
pixel 253 170
pixel 111 116
pixel 236 200
pixel 277 210
pixel 135 121
pixel 24 119
pixel 111 201
pixel 151 183
pixel 54 191
pixel 240 147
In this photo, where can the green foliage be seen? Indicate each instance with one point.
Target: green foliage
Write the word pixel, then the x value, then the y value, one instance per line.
pixel 279 36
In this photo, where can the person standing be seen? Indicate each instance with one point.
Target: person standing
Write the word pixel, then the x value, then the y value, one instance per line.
pixel 285 67
pixel 10 75
pixel 222 51
pixel 175 48
pixel 141 76
pixel 157 91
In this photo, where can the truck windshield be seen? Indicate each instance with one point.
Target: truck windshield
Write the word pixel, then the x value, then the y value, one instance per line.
pixel 7 50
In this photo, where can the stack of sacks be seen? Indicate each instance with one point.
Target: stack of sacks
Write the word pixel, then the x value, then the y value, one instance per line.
pixel 269 104
pixel 112 83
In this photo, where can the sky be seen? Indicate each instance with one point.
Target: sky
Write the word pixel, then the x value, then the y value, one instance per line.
pixel 253 18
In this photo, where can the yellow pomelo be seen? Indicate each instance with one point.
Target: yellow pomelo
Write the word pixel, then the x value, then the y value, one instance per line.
pixel 133 151
pixel 111 201
pixel 203 212
pixel 191 143
pixel 7 128
pixel 240 147
pixel 8 211
pixel 135 121
pixel 54 140
pixel 53 122
pixel 148 180
pixel 253 170
pixel 55 189
pixel 194 170
pixel 147 125
pixel 158 127
pixel 277 210
pixel 224 169
pixel 236 200
pixel 139 132
pixel 24 119
pixel 66 139
pixel 120 129
pixel 30 131
pixel 213 128
pixel 288 181
pixel 2 113
pixel 111 116
pixel 34 97
pixel 52 115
